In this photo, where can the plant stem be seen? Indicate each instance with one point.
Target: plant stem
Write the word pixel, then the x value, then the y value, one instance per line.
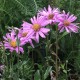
pixel 11 66
pixel 56 53
pixel 66 70
pixel 18 52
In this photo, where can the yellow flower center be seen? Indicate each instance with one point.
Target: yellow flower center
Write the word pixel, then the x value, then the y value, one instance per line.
pixel 36 27
pixel 66 23
pixel 24 34
pixel 13 43
pixel 50 16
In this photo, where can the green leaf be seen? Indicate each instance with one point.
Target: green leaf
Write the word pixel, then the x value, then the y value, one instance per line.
pixel 65 71
pixel 47 72
pixel 37 75
pixel 64 34
pixel 62 66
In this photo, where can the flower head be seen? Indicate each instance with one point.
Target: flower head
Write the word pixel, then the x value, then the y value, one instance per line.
pixel 66 23
pixel 49 14
pixel 37 28
pixel 26 35
pixel 11 42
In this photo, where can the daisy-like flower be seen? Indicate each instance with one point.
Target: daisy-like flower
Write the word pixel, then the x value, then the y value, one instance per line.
pixel 50 14
pixel 26 35
pixel 11 42
pixel 37 28
pixel 66 23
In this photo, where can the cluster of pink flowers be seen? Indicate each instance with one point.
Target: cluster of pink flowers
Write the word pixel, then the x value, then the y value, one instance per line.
pixel 37 28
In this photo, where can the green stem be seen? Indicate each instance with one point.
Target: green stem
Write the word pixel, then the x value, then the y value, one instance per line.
pixel 66 70
pixel 56 53
pixel 18 55
pixel 11 66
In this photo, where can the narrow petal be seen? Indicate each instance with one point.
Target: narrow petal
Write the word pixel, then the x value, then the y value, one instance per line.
pixel 31 43
pixel 67 15
pixel 37 37
pixel 49 9
pixel 5 38
pixel 21 49
pixel 45 23
pixel 26 24
pixel 67 30
pixel 71 19
pixel 73 29
pixel 32 20
pixel 41 34
pixel 17 50
pixel 61 29
pixel 35 20
pixel 45 30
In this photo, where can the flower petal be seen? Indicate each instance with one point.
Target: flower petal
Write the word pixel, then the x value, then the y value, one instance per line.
pixel 41 34
pixel 45 30
pixel 37 37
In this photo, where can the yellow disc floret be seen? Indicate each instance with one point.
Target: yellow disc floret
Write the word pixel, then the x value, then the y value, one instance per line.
pixel 13 43
pixel 50 16
pixel 36 27
pixel 24 34
pixel 66 23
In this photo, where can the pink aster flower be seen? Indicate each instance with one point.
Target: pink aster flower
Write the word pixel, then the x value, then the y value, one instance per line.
pixel 50 14
pixel 26 35
pixel 11 43
pixel 66 22
pixel 37 28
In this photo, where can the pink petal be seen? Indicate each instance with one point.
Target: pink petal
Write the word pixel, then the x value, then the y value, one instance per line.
pixel 45 30
pixel 67 30
pixel 72 18
pixel 49 9
pixel 8 36
pixel 32 20
pixel 37 37
pixel 35 20
pixel 21 49
pixel 17 50
pixel 67 15
pixel 73 29
pixel 31 43
pixel 5 38
pixel 59 18
pixel 41 34
pixel 26 24
pixel 45 23
pixel 61 29
pixel 60 24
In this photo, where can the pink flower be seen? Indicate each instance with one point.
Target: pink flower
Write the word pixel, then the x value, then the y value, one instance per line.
pixel 26 35
pixel 37 28
pixel 66 23
pixel 50 14
pixel 11 42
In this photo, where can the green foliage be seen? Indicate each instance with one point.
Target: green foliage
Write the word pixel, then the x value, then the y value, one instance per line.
pixel 12 13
